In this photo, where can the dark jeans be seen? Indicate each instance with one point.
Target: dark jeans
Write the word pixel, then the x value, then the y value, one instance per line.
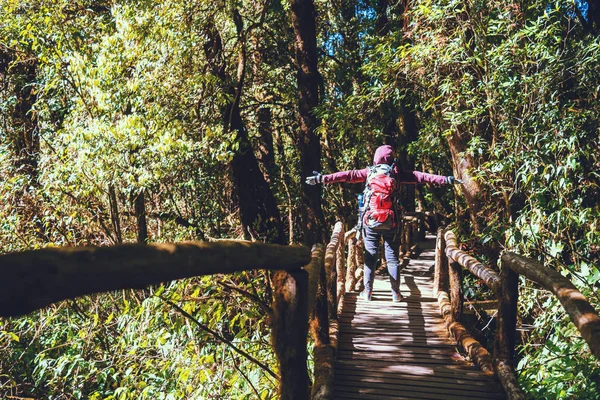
pixel 391 241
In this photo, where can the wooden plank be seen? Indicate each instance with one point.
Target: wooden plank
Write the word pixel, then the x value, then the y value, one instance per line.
pixel 402 350
pixel 421 371
pixel 406 352
pixel 484 384
pixel 400 385
pixel 376 394
pixel 399 342
pixel 428 327
pixel 448 351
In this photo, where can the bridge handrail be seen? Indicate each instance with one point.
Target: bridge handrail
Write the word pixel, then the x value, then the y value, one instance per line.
pixel 309 287
pixel 450 261
pixel 36 278
pixel 581 312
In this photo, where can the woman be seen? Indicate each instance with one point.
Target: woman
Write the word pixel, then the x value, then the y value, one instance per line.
pixel 380 216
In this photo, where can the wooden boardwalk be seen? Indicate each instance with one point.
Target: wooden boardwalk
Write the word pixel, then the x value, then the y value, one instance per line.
pixel 401 350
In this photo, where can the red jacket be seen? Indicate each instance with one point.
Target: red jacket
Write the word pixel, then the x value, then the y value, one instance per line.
pixel 360 175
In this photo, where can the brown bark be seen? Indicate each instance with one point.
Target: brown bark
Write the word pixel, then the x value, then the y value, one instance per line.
pixel 114 214
pixel 509 381
pixel 351 260
pixel 266 152
pixel 37 278
pixel 456 291
pixel 314 274
pixel 440 280
pixel 257 205
pixel 504 340
pixel 408 132
pixel 265 143
pixel 471 189
pixel 324 353
pixel 290 331
pixel 331 270
pixel 582 314
pixel 340 266
pixel 486 274
pixel 320 320
pixel 304 24
pixel 476 351
pixel 140 216
pixel 324 356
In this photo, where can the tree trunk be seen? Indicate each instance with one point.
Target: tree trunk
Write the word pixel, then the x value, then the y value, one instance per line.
pixel 259 214
pixel 19 76
pixel 114 214
pixel 304 24
pixel 462 163
pixel 382 23
pixel 408 133
pixel 594 15
pixel 140 216
pixel 266 153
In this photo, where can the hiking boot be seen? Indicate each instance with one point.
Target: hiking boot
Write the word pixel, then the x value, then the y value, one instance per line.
pixel 396 296
pixel 366 295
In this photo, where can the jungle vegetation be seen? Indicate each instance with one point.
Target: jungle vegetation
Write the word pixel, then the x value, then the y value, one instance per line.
pixel 147 121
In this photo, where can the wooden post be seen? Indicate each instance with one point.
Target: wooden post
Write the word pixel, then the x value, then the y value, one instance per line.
pixel 456 292
pixel 314 274
pixel 290 331
pixel 504 340
pixel 340 266
pixel 474 349
pixel 360 262
pixel 331 285
pixel 440 278
pixel 405 238
pixel 504 343
pixel 319 325
pixel 351 261
pixel 415 230
pixel 331 269
pixel 486 274
pixel 422 229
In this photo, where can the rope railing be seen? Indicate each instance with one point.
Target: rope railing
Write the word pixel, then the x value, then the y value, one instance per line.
pixel 450 261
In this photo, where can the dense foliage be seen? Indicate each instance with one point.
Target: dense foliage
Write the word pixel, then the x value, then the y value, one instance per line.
pixel 518 87
pixel 131 121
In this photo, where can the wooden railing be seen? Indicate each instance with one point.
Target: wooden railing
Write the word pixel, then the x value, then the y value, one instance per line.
pixel 304 283
pixel 308 287
pixel 449 265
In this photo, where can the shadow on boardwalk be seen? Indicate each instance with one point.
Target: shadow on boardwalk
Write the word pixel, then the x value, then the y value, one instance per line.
pixel 401 350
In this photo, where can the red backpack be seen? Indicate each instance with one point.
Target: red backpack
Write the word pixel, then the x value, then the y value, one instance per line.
pixel 380 198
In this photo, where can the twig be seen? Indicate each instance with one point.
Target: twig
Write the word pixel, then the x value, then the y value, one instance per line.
pixel 221 338
pixel 250 296
pixel 246 378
